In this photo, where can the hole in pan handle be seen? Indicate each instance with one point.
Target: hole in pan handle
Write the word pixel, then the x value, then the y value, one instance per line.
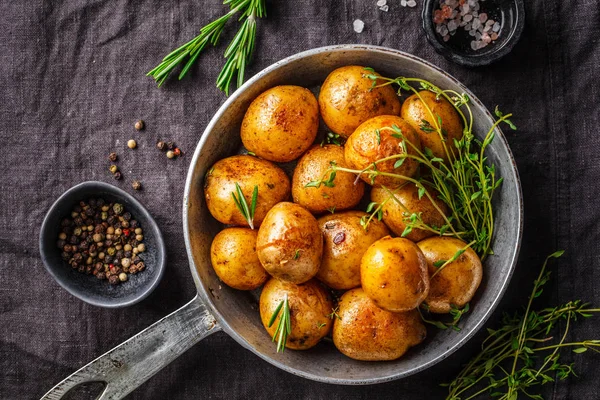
pixel 134 361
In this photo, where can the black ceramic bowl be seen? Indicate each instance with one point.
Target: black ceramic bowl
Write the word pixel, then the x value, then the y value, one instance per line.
pixel 510 14
pixel 87 287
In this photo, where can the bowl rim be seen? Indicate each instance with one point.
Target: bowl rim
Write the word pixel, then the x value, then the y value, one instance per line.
pixel 474 60
pixel 118 192
pixel 186 224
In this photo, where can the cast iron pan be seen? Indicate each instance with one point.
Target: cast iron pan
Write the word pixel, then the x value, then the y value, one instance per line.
pixel 220 308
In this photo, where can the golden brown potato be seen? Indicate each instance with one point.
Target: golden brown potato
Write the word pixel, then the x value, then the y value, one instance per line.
pixel 415 113
pixel 273 187
pixel 345 243
pixel 458 281
pixel 394 214
pixel 366 332
pixel 281 123
pixel 310 305
pixel 234 259
pixel 312 167
pixel 393 273
pixel 374 140
pixel 290 243
pixel 347 99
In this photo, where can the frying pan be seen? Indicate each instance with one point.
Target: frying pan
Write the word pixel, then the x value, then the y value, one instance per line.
pixel 217 307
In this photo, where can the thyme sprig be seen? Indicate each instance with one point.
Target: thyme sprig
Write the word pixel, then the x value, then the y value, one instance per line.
pixel 242 204
pixel 238 53
pixel 284 326
pixel 466 182
pixel 516 358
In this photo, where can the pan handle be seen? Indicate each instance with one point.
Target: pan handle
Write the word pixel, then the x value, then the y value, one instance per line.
pixel 134 361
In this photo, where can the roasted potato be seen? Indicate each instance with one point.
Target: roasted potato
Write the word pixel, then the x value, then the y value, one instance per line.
pixel 393 273
pixel 457 282
pixel 406 203
pixel 375 139
pixel 310 305
pixel 281 123
pixel 273 187
pixel 345 243
pixel 417 115
pixel 290 243
pixel 313 166
pixel 366 332
pixel 347 99
pixel 234 259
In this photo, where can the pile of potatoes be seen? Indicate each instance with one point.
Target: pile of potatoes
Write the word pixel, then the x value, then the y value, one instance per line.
pixel 314 246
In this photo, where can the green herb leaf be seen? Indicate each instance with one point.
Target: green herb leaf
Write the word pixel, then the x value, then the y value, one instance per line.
pixel 242 205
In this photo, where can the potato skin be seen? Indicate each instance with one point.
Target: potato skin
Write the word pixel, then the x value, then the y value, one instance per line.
pixel 290 243
pixel 414 112
pixel 234 259
pixel 366 332
pixel 345 242
pixel 408 195
pixel 364 147
pixel 247 171
pixel 458 281
pixel 347 99
pixel 393 273
pixel 310 304
pixel 312 167
pixel 281 123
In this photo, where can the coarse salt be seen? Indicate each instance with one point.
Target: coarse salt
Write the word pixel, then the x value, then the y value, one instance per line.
pixel 381 3
pixel 358 26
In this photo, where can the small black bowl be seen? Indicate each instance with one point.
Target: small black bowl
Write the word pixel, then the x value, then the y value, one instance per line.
pixel 87 287
pixel 510 14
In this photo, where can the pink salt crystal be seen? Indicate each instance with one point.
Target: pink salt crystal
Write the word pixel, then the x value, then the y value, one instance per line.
pixel 446 38
pixel 483 17
pixel 494 36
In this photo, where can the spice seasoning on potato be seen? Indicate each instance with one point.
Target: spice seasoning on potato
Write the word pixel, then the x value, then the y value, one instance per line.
pixel 234 259
pixel 347 99
pixel 309 304
pixel 281 123
pixel 395 214
pixel 376 139
pixel 416 114
pixel 366 332
pixel 456 283
pixel 393 273
pixel 345 242
pixel 313 166
pixel 290 243
pixel 247 171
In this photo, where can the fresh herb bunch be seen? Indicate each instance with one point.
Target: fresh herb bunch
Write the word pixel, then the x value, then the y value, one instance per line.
pixel 466 183
pixel 518 357
pixel 238 53
pixel 284 326
pixel 242 204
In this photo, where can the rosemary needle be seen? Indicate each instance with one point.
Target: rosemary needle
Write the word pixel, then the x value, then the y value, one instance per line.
pixel 284 326
pixel 242 204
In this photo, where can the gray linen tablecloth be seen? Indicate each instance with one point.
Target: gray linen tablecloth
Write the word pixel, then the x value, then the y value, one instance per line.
pixel 72 84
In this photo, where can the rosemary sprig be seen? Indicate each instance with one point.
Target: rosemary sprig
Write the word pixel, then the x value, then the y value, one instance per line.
pixel 242 204
pixel 238 53
pixel 510 362
pixel 284 326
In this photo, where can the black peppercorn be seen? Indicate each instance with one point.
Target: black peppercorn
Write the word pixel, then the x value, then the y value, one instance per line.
pixel 100 202
pixel 127 216
pixel 170 145
pixel 60 243
pixel 117 175
pixel 133 224
pixel 65 256
pixel 113 279
pixel 74 240
pixel 92 202
pixel 101 275
pixel 113 157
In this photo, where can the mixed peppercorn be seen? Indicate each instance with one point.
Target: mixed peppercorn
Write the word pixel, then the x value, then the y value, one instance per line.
pixel 102 239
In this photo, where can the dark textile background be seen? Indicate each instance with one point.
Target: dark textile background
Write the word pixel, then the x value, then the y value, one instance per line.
pixel 72 84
